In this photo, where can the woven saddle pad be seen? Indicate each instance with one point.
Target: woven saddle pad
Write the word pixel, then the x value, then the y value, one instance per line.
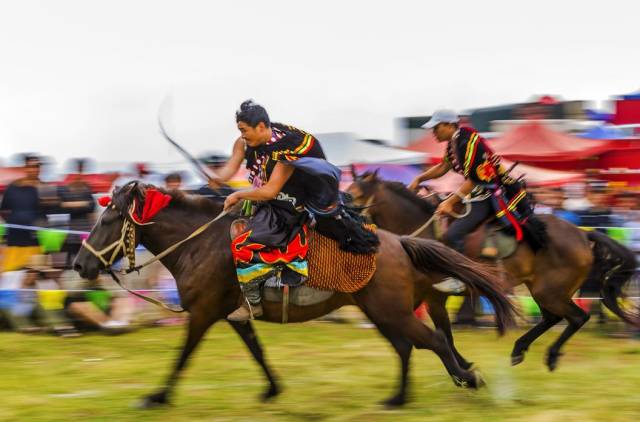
pixel 331 268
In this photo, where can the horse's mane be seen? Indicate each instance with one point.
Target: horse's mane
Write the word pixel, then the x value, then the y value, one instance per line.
pixel 123 197
pixel 401 190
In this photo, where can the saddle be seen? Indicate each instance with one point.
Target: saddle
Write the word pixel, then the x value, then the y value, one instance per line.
pixel 489 241
pixel 331 270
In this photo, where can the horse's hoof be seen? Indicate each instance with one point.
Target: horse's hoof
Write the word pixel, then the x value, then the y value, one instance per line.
pixel 517 359
pixel 395 401
pixel 552 361
pixel 479 379
pixel 463 383
pixel 270 394
pixel 154 400
pixel 475 381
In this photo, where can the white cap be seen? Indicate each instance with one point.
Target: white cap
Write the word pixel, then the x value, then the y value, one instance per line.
pixel 441 116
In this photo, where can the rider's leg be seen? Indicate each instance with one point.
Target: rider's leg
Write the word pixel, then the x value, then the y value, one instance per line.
pixel 250 274
pixel 251 306
pixel 480 211
pixel 455 235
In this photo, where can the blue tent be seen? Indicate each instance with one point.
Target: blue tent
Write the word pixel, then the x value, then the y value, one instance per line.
pixel 603 132
pixel 598 115
pixel 632 96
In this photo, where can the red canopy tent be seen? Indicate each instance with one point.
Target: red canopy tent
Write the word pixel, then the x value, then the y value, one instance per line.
pixel 431 146
pixel 536 143
pixel 535 176
pixel 531 143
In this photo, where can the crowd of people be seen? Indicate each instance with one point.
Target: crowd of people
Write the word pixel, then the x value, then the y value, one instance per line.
pixel 39 291
pixel 613 211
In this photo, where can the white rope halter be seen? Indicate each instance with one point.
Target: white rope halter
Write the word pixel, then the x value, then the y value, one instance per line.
pixel 126 243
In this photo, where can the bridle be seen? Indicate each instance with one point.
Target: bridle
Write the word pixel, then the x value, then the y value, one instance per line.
pixel 370 203
pixel 127 243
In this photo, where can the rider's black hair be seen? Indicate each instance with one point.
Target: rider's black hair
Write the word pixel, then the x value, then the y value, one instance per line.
pixel 252 114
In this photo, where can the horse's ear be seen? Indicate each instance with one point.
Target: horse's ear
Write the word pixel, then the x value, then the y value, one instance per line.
pixel 354 173
pixel 371 176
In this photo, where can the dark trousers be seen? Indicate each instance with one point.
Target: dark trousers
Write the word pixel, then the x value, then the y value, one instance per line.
pixel 480 211
pixel 454 237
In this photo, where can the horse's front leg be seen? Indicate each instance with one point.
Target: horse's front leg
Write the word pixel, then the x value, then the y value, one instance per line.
pixel 199 323
pixel 246 332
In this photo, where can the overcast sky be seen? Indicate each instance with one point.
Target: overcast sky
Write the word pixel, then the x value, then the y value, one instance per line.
pixel 86 78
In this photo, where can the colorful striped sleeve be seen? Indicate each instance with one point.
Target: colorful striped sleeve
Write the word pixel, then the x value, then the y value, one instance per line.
pixel 471 153
pixel 294 146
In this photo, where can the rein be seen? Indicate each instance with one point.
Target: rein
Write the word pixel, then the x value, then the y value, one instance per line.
pixel 370 203
pixel 433 217
pixel 126 243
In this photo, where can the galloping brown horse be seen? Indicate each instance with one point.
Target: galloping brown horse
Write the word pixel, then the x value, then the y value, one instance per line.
pixel 208 288
pixel 552 274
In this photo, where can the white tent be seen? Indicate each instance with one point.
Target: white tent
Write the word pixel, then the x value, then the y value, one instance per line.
pixel 343 149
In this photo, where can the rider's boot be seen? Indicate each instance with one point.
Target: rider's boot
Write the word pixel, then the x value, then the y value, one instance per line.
pixel 251 307
pixel 450 285
pixel 246 312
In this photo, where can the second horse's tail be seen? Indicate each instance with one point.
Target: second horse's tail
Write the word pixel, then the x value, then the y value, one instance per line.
pixel 613 266
pixel 430 255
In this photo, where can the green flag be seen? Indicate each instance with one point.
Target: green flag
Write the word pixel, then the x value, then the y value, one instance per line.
pixel 51 240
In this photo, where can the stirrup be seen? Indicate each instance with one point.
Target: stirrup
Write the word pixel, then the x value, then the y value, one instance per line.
pixel 238 227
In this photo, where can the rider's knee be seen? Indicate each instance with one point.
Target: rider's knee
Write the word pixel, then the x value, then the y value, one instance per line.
pixel 453 242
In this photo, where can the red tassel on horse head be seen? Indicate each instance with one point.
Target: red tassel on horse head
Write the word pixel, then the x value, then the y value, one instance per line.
pixel 104 201
pixel 154 202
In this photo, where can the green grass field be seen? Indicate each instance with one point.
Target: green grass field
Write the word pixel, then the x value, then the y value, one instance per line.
pixel 328 372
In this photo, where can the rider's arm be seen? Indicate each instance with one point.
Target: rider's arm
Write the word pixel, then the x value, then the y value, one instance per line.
pixel 464 190
pixel 446 206
pixel 281 173
pixel 434 172
pixel 231 167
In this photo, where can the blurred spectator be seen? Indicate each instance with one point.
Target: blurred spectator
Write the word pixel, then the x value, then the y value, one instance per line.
pixel 552 201
pixel 543 200
pixel 628 209
pixel 215 162
pixel 142 174
pixel 25 202
pixel 32 299
pixel 576 199
pixel 90 307
pixel 598 214
pixel 77 201
pixel 173 181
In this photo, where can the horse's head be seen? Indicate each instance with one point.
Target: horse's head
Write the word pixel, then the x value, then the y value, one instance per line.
pixel 390 204
pixel 364 187
pixel 115 234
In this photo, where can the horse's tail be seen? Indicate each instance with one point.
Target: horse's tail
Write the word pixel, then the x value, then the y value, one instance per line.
pixel 430 255
pixel 613 266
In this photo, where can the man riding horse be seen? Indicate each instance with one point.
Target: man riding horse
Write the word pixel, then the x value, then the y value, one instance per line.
pixel 487 184
pixel 293 184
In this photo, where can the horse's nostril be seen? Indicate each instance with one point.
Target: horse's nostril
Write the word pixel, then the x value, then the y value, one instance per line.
pixel 77 267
